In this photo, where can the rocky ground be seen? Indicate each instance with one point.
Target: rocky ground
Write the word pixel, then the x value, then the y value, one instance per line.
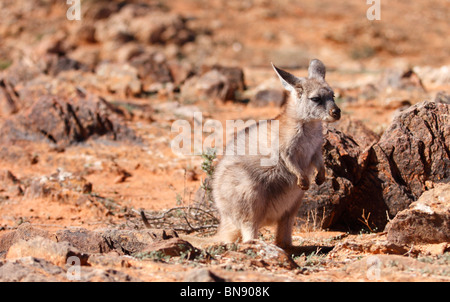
pixel 88 176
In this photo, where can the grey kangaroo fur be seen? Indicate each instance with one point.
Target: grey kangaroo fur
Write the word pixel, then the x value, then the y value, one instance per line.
pixel 249 195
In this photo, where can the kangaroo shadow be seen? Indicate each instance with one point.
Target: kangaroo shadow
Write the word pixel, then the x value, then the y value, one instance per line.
pixel 308 249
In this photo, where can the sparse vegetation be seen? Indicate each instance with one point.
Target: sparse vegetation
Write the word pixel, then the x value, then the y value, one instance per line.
pixel 208 167
pixel 4 64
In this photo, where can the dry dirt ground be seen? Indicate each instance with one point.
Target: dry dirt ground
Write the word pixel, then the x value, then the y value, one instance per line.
pixel 126 177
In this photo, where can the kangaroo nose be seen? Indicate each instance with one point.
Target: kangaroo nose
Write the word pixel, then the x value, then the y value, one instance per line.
pixel 335 113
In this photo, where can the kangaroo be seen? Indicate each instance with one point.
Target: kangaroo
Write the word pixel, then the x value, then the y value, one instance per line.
pixel 249 195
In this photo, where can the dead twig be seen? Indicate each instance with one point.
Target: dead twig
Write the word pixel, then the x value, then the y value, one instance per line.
pixel 184 220
pixel 144 219
pixel 365 220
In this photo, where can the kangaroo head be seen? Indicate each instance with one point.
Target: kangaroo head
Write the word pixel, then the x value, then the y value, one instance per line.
pixel 312 98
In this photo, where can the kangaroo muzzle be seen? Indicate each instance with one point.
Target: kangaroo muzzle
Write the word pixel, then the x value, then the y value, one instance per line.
pixel 335 113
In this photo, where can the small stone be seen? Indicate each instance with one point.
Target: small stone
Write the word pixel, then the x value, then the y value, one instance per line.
pixel 171 247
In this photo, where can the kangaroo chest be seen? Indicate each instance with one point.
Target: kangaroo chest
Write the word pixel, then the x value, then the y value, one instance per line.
pixel 306 143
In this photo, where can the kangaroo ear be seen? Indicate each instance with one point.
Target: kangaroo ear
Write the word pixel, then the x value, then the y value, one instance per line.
pixel 289 81
pixel 316 70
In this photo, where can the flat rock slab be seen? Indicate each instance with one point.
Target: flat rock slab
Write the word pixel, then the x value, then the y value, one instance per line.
pixel 23 232
pixel 57 253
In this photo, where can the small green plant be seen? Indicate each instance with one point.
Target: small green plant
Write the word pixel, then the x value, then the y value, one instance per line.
pixel 251 253
pixel 216 250
pixel 314 259
pixel 362 52
pixel 4 64
pixel 153 255
pixel 179 199
pixel 208 166
pixel 208 157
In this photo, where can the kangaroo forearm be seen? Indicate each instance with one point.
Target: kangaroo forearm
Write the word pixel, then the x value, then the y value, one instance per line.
pixel 295 168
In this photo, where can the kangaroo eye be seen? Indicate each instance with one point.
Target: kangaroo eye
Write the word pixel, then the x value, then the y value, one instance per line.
pixel 316 99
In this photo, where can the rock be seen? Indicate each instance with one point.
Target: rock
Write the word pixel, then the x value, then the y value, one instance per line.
pixel 24 232
pixel 210 85
pixel 53 45
pixel 126 241
pixel 257 253
pixel 152 68
pixel 22 71
pixel 145 24
pixel 88 55
pixel 172 247
pixel 125 53
pixel 202 275
pixel 180 71
pixel 234 75
pixel 10 185
pixel 434 75
pixel 412 150
pixel 386 176
pixel 401 80
pixel 61 185
pixel 55 64
pixel 63 121
pixel 149 243
pixel 369 92
pixel 395 268
pixel 85 33
pixel 119 78
pixel 174 111
pixel 9 99
pixel 110 260
pixel 426 220
pixel 133 241
pixel 30 269
pixel 105 275
pixel 162 28
pixel 39 247
pixel 100 10
pixel 396 88
pixel 268 92
pixel 275 97
pixel 113 28
pixel 370 243
pixel 442 97
pixel 89 242
pixel 221 83
pixel 356 129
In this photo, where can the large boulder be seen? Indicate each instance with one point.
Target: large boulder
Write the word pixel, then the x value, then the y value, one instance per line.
pixel 413 150
pixel 369 182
